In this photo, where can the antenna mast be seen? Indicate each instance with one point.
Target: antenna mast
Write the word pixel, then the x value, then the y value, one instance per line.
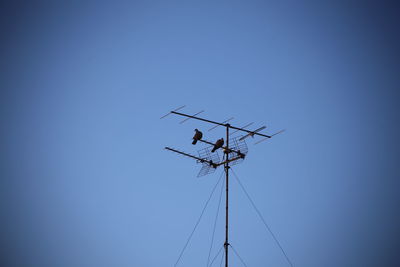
pixel 234 155
pixel 226 244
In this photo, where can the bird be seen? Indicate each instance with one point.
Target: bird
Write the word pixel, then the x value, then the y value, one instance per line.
pixel 218 144
pixel 197 136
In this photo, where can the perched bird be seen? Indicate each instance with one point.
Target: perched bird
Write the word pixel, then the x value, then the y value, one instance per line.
pixel 218 144
pixel 197 136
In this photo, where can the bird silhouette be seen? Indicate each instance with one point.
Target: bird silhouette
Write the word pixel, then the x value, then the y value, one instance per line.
pixel 218 144
pixel 197 136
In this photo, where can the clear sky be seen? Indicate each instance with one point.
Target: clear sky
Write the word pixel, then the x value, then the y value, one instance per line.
pixel 85 180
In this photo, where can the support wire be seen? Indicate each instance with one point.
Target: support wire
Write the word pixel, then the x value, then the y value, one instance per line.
pixel 237 254
pixel 222 258
pixel 263 220
pixel 219 251
pixel 215 222
pixel 198 221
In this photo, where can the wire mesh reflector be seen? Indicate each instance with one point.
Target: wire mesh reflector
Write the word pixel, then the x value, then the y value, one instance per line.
pixel 240 146
pixel 206 154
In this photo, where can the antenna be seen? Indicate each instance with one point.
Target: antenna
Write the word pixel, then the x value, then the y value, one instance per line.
pixel 234 151
pixel 247 125
pixel 222 122
pixel 253 133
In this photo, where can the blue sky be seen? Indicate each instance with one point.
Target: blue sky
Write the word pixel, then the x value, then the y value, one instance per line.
pixel 86 181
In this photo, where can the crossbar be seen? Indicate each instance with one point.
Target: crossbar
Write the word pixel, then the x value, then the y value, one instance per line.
pixel 221 124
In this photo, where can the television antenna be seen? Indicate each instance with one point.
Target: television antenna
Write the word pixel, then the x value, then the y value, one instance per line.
pixel 234 151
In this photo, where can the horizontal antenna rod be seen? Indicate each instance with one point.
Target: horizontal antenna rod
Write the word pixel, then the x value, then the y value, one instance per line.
pixel 192 116
pixel 229 160
pixel 213 164
pixel 224 147
pixel 252 133
pixel 247 125
pixel 181 107
pixel 191 156
pixel 281 131
pixel 218 123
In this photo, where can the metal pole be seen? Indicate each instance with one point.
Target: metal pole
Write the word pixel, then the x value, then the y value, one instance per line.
pixel 226 207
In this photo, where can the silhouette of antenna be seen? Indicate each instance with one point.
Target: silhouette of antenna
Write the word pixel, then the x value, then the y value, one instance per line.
pixel 234 151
